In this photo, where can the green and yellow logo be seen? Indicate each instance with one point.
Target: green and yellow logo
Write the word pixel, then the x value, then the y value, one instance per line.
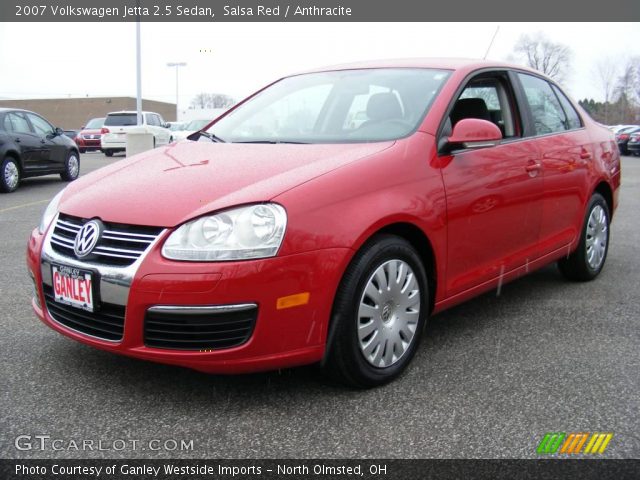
pixel 573 443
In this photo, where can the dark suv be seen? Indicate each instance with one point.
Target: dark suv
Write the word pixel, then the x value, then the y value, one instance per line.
pixel 30 146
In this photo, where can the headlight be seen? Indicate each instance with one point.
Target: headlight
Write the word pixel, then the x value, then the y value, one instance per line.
pixel 255 231
pixel 50 212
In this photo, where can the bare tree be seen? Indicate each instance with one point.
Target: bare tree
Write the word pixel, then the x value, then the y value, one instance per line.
pixel 212 100
pixel 538 52
pixel 606 73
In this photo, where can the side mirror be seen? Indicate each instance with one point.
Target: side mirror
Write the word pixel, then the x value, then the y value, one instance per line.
pixel 166 125
pixel 57 132
pixel 475 133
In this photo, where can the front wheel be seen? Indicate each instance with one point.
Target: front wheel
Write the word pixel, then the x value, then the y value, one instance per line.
pixel 587 261
pixel 378 315
pixel 71 168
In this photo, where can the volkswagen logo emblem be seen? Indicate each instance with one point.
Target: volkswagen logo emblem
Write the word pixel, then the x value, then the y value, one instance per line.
pixel 87 238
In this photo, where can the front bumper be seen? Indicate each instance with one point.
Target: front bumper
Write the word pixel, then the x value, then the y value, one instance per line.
pixel 281 337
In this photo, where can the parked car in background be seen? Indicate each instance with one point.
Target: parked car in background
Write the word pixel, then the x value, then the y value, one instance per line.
pixel 189 128
pixel 285 235
pixel 175 126
pixel 30 146
pixel 117 124
pixel 72 134
pixel 622 138
pixel 633 145
pixel 88 138
pixel 619 128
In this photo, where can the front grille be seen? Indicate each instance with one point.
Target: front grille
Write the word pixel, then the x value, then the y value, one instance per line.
pixel 198 331
pixel 106 323
pixel 120 244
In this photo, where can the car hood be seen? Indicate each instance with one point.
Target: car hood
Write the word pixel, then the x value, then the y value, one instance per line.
pixel 169 185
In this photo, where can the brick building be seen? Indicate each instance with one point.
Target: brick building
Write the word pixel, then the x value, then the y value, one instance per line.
pixel 73 113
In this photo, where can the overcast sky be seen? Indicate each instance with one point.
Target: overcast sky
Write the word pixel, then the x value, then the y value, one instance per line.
pixel 48 60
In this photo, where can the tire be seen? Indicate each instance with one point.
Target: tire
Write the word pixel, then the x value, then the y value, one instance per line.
pixel 108 153
pixel 71 167
pixel 9 175
pixel 587 261
pixel 364 351
pixel 83 150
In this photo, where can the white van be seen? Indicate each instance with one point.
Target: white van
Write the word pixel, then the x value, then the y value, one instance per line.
pixel 117 124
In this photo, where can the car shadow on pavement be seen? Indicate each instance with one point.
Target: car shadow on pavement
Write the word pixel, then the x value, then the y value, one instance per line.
pixel 105 371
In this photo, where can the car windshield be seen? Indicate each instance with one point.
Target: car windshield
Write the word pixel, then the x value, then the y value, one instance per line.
pixel 194 125
pixel 121 120
pixel 95 123
pixel 364 105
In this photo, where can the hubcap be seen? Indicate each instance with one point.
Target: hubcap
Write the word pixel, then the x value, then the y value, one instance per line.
pixel 74 166
pixel 11 175
pixel 388 314
pixel 596 237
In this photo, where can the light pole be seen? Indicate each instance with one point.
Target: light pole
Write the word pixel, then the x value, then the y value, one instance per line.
pixel 177 65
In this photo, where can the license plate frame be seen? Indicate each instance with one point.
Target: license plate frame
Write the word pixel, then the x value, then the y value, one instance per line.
pixel 77 297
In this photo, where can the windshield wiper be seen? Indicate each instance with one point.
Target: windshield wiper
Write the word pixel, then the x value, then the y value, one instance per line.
pixel 210 136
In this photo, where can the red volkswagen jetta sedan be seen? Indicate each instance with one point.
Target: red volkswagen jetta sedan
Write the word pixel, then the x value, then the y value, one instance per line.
pixel 324 218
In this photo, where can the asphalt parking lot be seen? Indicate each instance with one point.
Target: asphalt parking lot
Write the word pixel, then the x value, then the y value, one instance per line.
pixel 491 377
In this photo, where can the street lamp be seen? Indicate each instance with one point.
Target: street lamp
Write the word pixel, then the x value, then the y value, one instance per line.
pixel 177 65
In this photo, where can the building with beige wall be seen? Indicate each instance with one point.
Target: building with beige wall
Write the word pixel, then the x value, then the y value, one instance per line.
pixel 74 113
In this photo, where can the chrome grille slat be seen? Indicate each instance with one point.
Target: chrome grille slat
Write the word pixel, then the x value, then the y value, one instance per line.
pixel 118 250
pixel 127 234
pixel 114 255
pixel 119 245
pixel 70 225
pixel 119 239
pixel 66 241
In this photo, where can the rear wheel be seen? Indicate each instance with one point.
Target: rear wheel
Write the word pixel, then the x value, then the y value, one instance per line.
pixel 71 168
pixel 378 315
pixel 9 175
pixel 83 150
pixel 108 153
pixel 586 262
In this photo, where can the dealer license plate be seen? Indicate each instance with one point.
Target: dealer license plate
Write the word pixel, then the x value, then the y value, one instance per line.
pixel 73 286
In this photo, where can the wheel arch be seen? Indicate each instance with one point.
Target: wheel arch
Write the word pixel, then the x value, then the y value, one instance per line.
pixel 417 238
pixel 604 189
pixel 16 156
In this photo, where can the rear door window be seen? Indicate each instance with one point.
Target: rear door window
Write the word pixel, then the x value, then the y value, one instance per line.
pixel 18 123
pixel 548 115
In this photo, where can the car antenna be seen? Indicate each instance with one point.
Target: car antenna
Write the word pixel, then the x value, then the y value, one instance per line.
pixel 491 42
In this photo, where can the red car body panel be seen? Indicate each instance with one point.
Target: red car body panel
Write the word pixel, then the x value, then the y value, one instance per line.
pixel 485 217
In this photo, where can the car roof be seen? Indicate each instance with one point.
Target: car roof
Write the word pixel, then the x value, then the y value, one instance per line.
pixel 464 64
pixel 122 112
pixel 9 109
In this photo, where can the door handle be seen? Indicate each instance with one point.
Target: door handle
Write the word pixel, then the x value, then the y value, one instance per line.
pixel 585 155
pixel 18 140
pixel 533 167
